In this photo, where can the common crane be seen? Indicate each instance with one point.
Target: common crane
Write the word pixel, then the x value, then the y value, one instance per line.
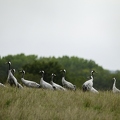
pixel 44 84
pixel 87 86
pixel 114 89
pixel 57 87
pixel 18 84
pixel 11 79
pixel 28 83
pixel 65 83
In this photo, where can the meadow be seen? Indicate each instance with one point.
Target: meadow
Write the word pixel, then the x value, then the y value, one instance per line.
pixel 39 104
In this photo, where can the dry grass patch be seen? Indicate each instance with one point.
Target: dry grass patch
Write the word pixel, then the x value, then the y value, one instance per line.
pixel 38 104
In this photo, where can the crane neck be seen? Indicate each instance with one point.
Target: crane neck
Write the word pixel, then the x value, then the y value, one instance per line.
pixel 63 78
pixel 42 75
pixel 41 79
pixel 23 75
pixel 63 74
pixel 9 67
pixel 92 75
pixel 13 73
pixel 51 81
pixel 114 82
pixel 52 78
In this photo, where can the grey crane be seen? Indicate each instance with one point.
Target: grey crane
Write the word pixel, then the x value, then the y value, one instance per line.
pixel 88 85
pixel 44 84
pixel 18 84
pixel 65 83
pixel 57 87
pixel 28 83
pixel 11 78
pixel 114 89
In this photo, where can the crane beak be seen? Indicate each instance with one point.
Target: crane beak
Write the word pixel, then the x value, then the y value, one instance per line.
pixel 94 71
pixel 6 62
pixel 21 71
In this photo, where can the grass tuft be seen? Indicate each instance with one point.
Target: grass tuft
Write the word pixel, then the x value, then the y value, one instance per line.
pixel 7 103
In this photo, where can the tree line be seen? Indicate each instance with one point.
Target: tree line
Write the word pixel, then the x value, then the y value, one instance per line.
pixel 78 70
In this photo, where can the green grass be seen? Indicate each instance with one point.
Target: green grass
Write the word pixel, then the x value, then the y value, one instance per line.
pixel 38 104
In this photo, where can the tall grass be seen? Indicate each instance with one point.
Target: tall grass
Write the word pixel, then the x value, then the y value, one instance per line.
pixel 38 104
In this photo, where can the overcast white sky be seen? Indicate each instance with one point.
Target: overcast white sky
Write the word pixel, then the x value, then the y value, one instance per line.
pixel 84 28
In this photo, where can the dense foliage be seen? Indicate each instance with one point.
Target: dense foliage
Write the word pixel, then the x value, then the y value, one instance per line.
pixel 78 70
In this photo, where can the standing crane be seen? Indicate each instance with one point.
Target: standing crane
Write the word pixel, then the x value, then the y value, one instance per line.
pixel 65 83
pixel 11 78
pixel 88 85
pixel 18 84
pixel 28 83
pixel 44 84
pixel 114 89
pixel 57 87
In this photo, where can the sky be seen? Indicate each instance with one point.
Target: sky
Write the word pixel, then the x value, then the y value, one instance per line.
pixel 88 29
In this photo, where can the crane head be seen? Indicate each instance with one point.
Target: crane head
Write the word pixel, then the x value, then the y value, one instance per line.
pixel 63 71
pixel 41 71
pixel 114 79
pixel 53 74
pixel 93 71
pixel 22 71
pixel 8 62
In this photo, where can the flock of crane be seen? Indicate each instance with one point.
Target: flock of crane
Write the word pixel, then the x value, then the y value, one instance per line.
pixel 87 86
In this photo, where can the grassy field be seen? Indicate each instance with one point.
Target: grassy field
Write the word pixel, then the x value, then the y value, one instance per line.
pixel 38 104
